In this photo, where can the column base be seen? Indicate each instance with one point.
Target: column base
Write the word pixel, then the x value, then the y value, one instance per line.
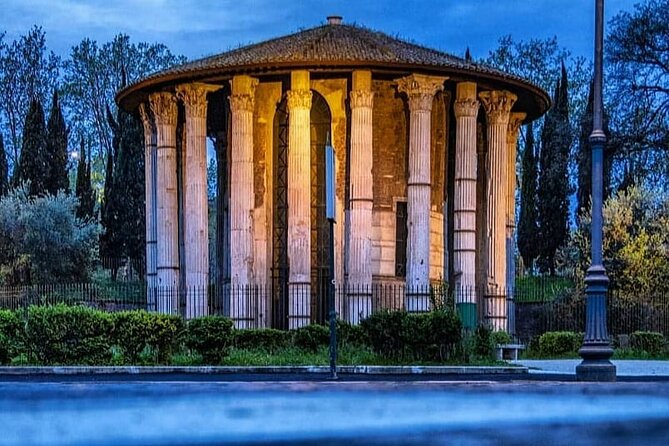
pixel 596 365
pixel 299 305
pixel 358 306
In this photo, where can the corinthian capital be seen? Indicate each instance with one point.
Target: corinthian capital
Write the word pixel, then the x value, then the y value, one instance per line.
pixel 420 90
pixel 361 98
pixel 164 108
pixel 147 118
pixel 515 120
pixel 466 108
pixel 194 97
pixel 497 105
pixel 298 99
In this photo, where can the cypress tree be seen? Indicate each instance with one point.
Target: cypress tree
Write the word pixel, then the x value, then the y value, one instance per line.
pixel 56 150
pixel 528 228
pixel 33 163
pixel 4 170
pixel 83 190
pixel 553 189
pixel 110 246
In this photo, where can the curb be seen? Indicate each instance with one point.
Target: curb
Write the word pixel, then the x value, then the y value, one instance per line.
pixel 226 370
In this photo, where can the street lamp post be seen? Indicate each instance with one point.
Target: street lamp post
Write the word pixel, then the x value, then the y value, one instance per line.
pixel 596 350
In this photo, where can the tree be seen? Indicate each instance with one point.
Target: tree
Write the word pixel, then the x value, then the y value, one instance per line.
pixel 27 71
pixel 553 189
pixel 4 175
pixel 638 72
pixel 528 229
pixel 42 241
pixel 56 150
pixel 83 190
pixel 33 164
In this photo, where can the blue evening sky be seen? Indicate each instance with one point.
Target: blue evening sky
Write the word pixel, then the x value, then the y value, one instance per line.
pixel 197 28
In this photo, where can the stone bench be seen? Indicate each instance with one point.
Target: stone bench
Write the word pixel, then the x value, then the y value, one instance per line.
pixel 508 351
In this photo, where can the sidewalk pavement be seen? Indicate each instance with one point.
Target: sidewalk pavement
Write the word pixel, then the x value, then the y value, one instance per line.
pixel 624 367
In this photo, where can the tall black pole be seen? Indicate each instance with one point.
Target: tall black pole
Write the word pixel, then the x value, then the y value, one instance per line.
pixel 596 350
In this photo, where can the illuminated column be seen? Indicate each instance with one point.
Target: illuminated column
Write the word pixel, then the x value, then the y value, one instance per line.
pixel 196 217
pixel 497 105
pixel 241 198
pixel 359 258
pixel 466 109
pixel 150 203
pixel 299 200
pixel 164 109
pixel 420 90
pixel 515 121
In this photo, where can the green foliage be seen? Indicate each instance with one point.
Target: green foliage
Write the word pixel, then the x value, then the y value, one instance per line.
pixel 33 167
pixel 4 350
pixel 210 336
pixel 650 342
pixel 350 335
pixel 11 332
pixel 61 334
pixel 482 342
pixel 311 337
pixel 56 151
pixel 541 288
pixel 133 333
pixel 42 241
pixel 528 227
pixel 398 334
pixel 265 339
pixel 500 338
pixel 83 190
pixel 559 343
pixel 165 334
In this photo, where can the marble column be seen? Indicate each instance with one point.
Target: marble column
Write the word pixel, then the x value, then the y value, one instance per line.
pixel 359 256
pixel 241 199
pixel 420 91
pixel 497 105
pixel 515 120
pixel 466 109
pixel 195 204
pixel 150 203
pixel 164 109
pixel 299 200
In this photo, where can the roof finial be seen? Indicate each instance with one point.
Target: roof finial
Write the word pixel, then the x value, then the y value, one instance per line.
pixel 334 19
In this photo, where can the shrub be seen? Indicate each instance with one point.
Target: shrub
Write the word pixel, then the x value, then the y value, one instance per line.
pixel 4 349
pixel 69 335
pixel 265 339
pixel 348 334
pixel 556 343
pixel 165 331
pixel 132 333
pixel 500 337
pixel 210 336
pixel 11 330
pixel 650 342
pixel 311 337
pixel 483 347
pixel 427 336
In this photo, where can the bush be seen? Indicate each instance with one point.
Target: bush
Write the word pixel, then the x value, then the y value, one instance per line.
pixel 69 335
pixel 427 336
pixel 311 337
pixel 132 333
pixel 11 331
pixel 500 338
pixel 650 342
pixel 4 350
pixel 266 339
pixel 483 347
pixel 352 335
pixel 165 332
pixel 210 336
pixel 557 343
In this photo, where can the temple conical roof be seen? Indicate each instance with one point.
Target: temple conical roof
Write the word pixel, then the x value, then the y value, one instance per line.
pixel 335 46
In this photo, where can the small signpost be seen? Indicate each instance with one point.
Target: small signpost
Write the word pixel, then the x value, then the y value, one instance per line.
pixel 330 215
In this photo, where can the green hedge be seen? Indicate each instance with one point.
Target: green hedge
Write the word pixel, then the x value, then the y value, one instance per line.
pixel 138 331
pixel 559 343
pixel 650 342
pixel 401 335
pixel 12 340
pixel 311 337
pixel 60 334
pixel 210 336
pixel 269 340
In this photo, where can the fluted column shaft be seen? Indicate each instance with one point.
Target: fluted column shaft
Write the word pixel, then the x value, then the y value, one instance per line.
pixel 464 207
pixel 361 193
pixel 196 233
pixel 164 109
pixel 420 91
pixel 498 106
pixel 241 180
pixel 150 200
pixel 299 200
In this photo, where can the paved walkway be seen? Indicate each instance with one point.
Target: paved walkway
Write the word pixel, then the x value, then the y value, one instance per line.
pixel 625 367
